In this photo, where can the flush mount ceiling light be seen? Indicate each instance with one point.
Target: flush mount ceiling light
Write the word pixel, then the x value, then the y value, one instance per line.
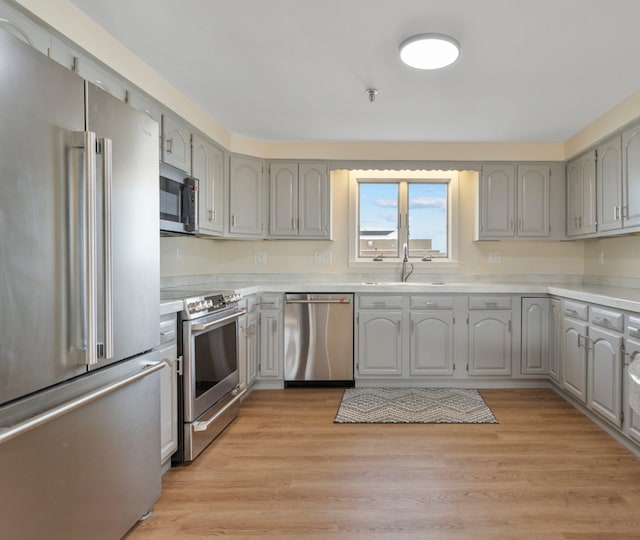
pixel 429 51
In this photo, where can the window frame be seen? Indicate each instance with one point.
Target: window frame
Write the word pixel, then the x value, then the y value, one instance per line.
pixel 403 178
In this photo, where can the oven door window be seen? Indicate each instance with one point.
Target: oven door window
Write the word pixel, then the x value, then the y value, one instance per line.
pixel 215 357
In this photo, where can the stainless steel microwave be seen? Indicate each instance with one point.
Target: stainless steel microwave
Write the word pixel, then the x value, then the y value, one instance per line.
pixel 178 201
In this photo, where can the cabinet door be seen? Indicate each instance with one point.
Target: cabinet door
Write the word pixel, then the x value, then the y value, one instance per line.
pixel 581 195
pixel 24 29
pixel 246 196
pixel 632 418
pixel 176 147
pixel 497 201
pixel 535 336
pixel 431 341
pixel 604 374
pixel 574 197
pixel 609 183
pixel 574 358
pixel 588 194
pixel 252 348
pixel 208 168
pixel 555 323
pixel 380 343
pixel 314 200
pixel 168 404
pixel 533 200
pixel 148 106
pixel 270 356
pixel 490 343
pixel 631 176
pixel 283 208
pixel 89 70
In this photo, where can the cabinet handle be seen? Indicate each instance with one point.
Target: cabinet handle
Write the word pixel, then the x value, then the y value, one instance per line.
pixel 633 332
pixel 169 146
pixel 579 340
pixel 509 325
pixel 491 304
pixel 616 213
pixel 625 213
pixel 520 224
pixel 379 303
pixel 210 215
pixel 432 304
pixel 233 220
pixel 573 312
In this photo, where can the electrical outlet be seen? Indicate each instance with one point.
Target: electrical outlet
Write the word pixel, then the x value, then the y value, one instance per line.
pixel 179 255
pixel 322 257
pixel 495 257
pixel 600 257
pixel 260 257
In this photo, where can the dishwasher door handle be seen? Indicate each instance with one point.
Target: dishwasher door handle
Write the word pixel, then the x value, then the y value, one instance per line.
pixel 341 301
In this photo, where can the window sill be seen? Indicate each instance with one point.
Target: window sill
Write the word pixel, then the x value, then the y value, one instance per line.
pixel 418 266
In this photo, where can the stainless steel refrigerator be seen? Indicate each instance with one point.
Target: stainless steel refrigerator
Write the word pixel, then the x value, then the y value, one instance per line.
pixel 79 304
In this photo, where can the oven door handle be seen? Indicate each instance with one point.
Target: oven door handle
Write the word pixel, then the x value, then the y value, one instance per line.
pixel 217 322
pixel 203 426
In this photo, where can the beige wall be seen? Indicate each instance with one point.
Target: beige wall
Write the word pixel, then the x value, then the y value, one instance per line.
pixel 185 256
pixel 182 256
pixel 620 257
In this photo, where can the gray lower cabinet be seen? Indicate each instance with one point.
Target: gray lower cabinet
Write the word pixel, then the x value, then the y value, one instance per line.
pixel 631 425
pixel 604 374
pixel 168 388
pixel 555 340
pixel 431 343
pixel 490 323
pixel 574 358
pixel 252 348
pixel 271 337
pixel 379 343
pixel 535 336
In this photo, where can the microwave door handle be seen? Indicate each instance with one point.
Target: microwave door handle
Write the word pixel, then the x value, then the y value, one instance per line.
pixel 107 169
pixel 189 204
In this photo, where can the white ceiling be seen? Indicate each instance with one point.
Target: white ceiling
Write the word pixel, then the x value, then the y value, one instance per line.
pixel 297 70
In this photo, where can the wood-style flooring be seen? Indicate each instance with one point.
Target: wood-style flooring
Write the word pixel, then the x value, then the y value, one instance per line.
pixel 284 470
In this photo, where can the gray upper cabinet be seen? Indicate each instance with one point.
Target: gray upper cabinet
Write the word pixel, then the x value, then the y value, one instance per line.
pixel 88 69
pixel 581 195
pixel 533 200
pixel 176 142
pixel 497 200
pixel 208 167
pixel 609 184
pixel 283 199
pixel 246 196
pixel 631 177
pixel 14 22
pixel 514 201
pixel 299 200
pixel 143 103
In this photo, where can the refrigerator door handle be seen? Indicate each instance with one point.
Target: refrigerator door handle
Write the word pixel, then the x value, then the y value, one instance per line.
pixel 107 170
pixel 91 291
pixel 83 343
pixel 8 433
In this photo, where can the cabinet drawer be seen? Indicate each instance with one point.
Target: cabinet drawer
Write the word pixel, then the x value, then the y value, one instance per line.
pixel 432 302
pixel 576 310
pixel 249 303
pixel 373 302
pixel 607 319
pixel 489 302
pixel 270 301
pixel 633 326
pixel 168 328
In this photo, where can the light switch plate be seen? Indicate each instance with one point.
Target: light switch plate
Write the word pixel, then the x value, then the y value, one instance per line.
pixel 495 257
pixel 260 257
pixel 322 257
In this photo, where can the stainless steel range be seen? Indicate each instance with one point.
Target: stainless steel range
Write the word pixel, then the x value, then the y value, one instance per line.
pixel 209 398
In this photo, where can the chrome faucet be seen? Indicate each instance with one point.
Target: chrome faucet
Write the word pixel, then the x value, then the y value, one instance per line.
pixel 404 275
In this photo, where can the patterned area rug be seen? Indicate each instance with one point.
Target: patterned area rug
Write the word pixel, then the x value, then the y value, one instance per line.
pixel 413 406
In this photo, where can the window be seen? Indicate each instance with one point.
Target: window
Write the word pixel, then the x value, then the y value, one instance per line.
pixel 415 209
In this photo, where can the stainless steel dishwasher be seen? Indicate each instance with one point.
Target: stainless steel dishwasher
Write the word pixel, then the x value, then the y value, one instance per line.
pixel 318 339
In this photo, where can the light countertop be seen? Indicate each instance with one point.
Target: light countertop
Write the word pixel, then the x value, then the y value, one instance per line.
pixel 615 297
